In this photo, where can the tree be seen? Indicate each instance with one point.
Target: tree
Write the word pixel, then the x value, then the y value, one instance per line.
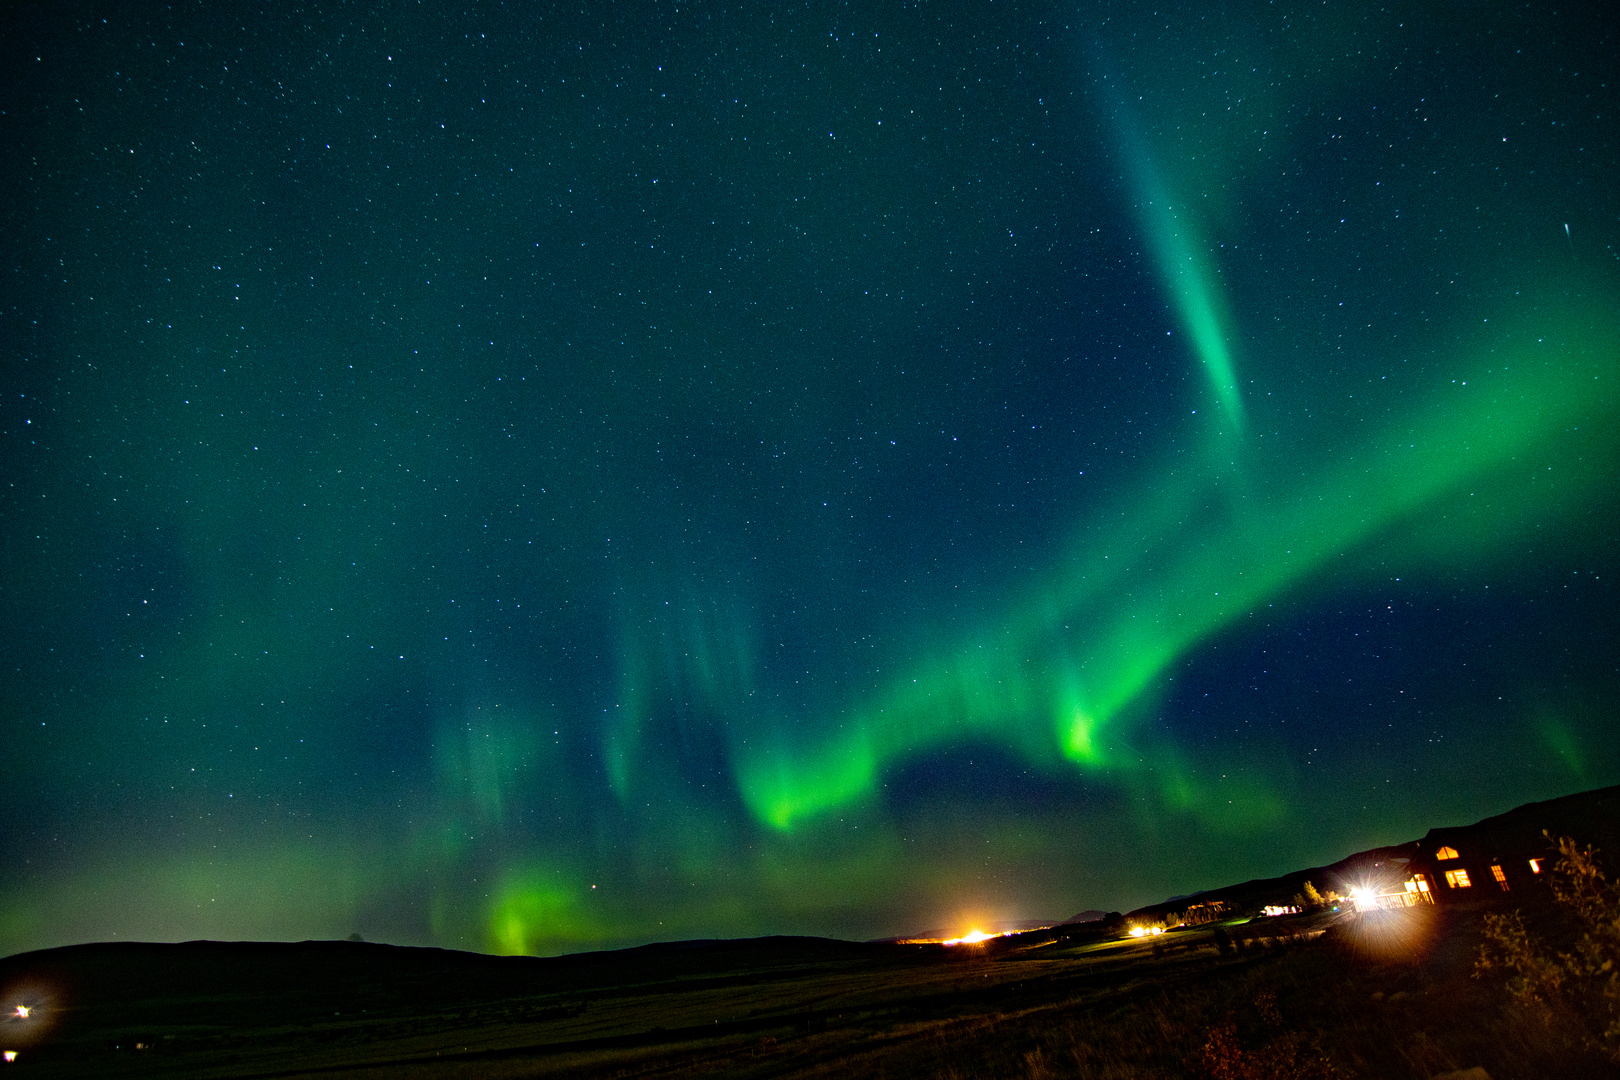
pixel 1583 983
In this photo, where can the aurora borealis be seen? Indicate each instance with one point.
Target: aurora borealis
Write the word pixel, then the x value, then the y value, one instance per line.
pixel 530 479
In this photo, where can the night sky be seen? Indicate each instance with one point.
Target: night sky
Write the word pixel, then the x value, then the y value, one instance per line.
pixel 531 479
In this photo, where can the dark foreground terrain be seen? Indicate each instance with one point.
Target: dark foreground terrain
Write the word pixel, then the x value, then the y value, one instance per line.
pixel 1388 994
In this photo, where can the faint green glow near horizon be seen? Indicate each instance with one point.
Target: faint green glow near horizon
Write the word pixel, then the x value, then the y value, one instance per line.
pixel 533 910
pixel 1519 442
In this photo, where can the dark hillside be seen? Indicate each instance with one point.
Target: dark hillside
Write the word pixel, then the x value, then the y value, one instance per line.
pixel 1387 993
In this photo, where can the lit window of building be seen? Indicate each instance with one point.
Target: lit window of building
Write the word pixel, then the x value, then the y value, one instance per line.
pixel 1501 878
pixel 1417 892
pixel 1446 853
pixel 1458 879
pixel 1535 866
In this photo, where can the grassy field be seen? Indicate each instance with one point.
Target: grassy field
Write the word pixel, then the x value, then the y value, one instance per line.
pixel 1387 996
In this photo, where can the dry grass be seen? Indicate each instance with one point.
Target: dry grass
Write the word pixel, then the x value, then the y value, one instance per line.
pixel 1388 998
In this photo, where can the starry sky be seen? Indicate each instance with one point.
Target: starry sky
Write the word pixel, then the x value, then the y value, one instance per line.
pixel 532 478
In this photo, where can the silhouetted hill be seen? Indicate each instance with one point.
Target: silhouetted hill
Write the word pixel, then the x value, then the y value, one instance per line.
pixel 1592 817
pixel 314 977
pixel 1087 916
pixel 806 1006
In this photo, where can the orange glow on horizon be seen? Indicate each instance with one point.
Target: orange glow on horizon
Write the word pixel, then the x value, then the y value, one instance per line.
pixel 974 936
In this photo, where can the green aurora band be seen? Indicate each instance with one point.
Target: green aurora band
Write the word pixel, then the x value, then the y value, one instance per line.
pixel 1519 443
pixel 1524 441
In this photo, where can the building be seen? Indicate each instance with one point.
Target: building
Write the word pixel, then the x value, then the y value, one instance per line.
pixel 1207 912
pixel 1415 890
pixel 1507 858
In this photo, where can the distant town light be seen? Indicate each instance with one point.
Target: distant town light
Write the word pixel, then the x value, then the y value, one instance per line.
pixel 11 1055
pixel 972 937
pixel 22 1012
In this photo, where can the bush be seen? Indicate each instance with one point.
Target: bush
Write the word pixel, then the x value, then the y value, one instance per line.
pixel 1284 1056
pixel 1581 985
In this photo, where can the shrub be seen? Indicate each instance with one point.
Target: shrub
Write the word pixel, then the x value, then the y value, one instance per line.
pixel 1582 984
pixel 1285 1056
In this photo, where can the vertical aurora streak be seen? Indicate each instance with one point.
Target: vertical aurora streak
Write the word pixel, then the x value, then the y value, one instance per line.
pixel 1181 256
